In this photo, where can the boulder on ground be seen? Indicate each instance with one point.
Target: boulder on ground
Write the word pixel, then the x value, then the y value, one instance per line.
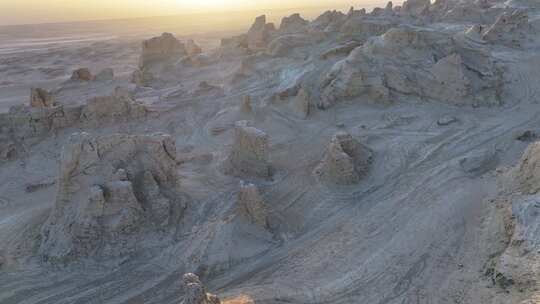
pixel 251 206
pixel 346 161
pixel 249 154
pixel 195 292
pixel 161 50
pixel 141 77
pixel 415 7
pixel 82 74
pixel 110 189
pixel 40 98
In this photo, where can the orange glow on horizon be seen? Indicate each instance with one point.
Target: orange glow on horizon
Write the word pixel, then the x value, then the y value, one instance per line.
pixel 39 11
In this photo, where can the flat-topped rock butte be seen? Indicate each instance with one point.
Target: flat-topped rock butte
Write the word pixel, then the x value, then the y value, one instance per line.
pixel 381 156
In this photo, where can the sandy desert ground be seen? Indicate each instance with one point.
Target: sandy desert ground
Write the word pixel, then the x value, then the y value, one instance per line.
pixel 383 156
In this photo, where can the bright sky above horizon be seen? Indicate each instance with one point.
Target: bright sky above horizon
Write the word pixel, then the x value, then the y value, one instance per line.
pixel 44 11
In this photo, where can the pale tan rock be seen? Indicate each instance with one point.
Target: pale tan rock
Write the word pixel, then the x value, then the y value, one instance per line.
pixel 251 205
pixel 249 154
pixel 195 292
pixel 260 34
pixel 40 98
pixel 346 161
pixel 245 106
pixel 527 172
pixel 164 49
pixel 82 74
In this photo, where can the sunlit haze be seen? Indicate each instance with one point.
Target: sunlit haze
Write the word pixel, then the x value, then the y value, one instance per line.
pixel 39 11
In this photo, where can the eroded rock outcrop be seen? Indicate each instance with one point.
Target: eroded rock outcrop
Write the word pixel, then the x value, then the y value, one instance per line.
pixel 195 292
pixel 346 161
pixel 260 34
pixel 119 107
pixel 111 189
pixel 41 98
pixel 249 154
pixel 413 61
pixel 293 24
pixel 161 50
pixel 519 264
pixel 251 206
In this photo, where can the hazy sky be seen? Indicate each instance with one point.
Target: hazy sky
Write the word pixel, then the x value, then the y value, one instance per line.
pixel 41 11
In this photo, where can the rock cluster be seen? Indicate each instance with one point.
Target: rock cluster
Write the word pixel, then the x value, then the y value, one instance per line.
pixel 249 154
pixel 195 292
pixel 346 161
pixel 251 206
pixel 412 61
pixel 26 124
pixel 110 189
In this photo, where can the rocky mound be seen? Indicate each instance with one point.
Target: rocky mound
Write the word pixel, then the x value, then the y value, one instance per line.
pixel 249 154
pixel 260 34
pixel 413 61
pixel 111 189
pixel 346 161
pixel 119 107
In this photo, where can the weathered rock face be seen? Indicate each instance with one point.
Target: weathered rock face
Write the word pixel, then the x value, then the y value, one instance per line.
pixel 251 206
pixel 40 98
pixel 110 189
pixel 249 154
pixel 82 74
pixel 293 24
pixel 195 292
pixel 510 29
pixel 141 77
pixel 412 61
pixel 161 50
pixel 260 33
pixel 346 161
